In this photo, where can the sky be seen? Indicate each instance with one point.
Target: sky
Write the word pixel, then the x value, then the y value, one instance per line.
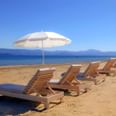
pixel 90 24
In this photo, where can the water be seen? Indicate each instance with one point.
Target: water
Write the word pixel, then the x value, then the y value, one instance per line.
pixel 26 60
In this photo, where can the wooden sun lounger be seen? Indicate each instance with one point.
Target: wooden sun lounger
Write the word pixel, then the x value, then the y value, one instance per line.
pixel 91 74
pixel 107 69
pixel 37 90
pixel 69 82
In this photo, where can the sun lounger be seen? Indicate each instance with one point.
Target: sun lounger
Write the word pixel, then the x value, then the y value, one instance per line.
pixel 37 90
pixel 90 73
pixel 107 69
pixel 69 81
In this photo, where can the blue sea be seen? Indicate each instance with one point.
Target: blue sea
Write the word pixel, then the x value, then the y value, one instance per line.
pixel 27 60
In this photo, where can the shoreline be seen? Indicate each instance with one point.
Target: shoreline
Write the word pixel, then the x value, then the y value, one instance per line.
pixel 39 65
pixel 8 62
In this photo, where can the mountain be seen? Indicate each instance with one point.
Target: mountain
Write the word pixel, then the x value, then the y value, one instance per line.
pixel 90 52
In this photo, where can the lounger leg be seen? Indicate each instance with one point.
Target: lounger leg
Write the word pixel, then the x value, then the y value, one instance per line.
pixel 46 104
pixel 86 90
pixel 95 81
pixel 61 100
pixel 78 90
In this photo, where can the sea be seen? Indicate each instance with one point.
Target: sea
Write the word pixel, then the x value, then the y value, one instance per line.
pixel 32 60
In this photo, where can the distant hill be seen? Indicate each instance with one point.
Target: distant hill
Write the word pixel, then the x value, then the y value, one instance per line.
pixel 91 52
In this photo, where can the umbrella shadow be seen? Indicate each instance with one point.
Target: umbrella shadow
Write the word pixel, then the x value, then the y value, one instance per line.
pixel 14 106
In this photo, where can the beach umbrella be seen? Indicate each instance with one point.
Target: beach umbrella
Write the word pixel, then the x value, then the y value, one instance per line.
pixel 42 40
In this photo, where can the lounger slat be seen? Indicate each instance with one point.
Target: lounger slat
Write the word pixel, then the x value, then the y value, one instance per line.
pixel 109 64
pixel 91 69
pixel 70 74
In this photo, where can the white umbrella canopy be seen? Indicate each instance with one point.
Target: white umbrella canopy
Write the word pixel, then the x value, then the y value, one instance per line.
pixel 42 40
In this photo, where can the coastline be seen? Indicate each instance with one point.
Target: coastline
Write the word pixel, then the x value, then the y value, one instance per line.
pixel 24 60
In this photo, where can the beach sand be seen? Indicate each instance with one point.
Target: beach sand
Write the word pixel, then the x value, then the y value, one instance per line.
pixel 99 101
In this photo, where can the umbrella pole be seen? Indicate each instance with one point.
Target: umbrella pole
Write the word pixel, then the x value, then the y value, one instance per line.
pixel 43 61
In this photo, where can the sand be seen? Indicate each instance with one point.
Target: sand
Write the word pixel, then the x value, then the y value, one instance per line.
pixel 99 101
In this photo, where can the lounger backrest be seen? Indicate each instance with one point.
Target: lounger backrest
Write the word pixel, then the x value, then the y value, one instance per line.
pixel 109 64
pixel 70 74
pixel 39 80
pixel 91 69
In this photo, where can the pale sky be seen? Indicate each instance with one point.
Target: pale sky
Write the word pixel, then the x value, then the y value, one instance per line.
pixel 90 24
